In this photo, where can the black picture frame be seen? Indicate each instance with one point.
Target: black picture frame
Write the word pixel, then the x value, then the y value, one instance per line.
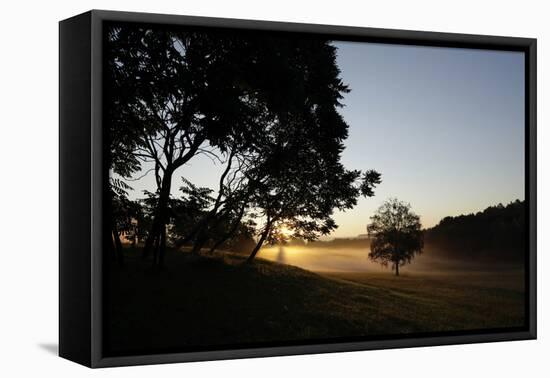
pixel 82 178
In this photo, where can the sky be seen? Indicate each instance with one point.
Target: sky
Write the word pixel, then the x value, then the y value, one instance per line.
pixel 444 127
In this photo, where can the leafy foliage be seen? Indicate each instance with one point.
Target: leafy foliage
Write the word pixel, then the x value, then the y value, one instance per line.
pixel 188 210
pixel 264 105
pixel 396 234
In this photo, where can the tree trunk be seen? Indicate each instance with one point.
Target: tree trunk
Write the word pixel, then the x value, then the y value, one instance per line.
pixel 159 220
pixel 153 235
pixel 162 246
pixel 155 248
pixel 397 268
pixel 259 244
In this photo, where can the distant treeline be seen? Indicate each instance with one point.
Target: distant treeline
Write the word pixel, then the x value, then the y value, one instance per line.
pixel 498 232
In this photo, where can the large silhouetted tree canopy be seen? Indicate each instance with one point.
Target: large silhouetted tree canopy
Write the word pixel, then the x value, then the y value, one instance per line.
pixel 396 234
pixel 178 96
pixel 265 106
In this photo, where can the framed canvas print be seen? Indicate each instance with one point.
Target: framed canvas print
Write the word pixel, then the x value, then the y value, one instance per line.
pixel 234 188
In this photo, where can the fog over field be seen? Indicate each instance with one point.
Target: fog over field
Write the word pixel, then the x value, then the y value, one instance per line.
pixel 355 259
pixel 321 259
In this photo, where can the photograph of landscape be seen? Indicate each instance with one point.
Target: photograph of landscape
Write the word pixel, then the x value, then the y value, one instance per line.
pixel 270 189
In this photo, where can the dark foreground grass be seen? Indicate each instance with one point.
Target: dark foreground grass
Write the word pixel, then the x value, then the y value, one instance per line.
pixel 218 300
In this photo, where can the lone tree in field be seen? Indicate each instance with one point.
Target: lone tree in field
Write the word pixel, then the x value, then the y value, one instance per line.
pixel 396 235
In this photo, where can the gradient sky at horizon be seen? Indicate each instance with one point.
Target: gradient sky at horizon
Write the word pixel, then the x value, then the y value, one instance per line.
pixel 444 126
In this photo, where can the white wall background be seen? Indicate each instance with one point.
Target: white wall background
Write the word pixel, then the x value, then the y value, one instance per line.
pixel 29 176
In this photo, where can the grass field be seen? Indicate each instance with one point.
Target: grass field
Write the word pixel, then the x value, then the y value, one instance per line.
pixel 220 300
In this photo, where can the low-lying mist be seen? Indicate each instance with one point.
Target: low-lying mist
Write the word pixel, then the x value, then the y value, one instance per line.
pixel 355 259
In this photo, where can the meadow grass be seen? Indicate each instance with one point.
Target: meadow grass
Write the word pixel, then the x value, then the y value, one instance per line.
pixel 219 300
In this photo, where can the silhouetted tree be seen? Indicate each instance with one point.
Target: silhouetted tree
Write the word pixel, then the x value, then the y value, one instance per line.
pixel 292 174
pixel 121 162
pixel 396 235
pixel 124 216
pixel 267 103
pixel 188 210
pixel 228 208
pixel 177 94
pixel 304 201
pixel 298 179
pixel 198 217
pixel 183 99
